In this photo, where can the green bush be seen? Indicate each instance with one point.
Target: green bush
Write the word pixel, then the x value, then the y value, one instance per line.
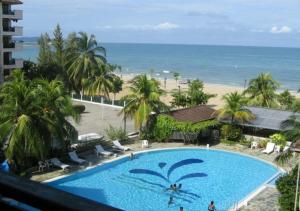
pixel 278 139
pixel 79 108
pixel 262 143
pixel 116 134
pixel 286 185
pixel 245 142
pixel 229 132
pixel 164 126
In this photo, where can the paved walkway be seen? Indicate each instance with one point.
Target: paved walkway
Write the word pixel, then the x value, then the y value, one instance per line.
pixel 265 201
pixel 97 118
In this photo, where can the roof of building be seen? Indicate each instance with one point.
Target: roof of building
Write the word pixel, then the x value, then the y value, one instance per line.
pixel 267 118
pixel 296 146
pixel 194 115
pixel 12 1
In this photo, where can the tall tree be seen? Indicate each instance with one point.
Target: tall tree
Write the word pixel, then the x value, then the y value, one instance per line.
pixel 286 100
pixel 32 117
pixel 83 57
pixel 58 44
pixel 196 95
pixel 117 85
pixel 262 90
pixel 234 109
pixel 143 99
pixel 101 81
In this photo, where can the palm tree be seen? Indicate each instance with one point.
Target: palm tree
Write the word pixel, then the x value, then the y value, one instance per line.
pixel 117 86
pixel 144 98
pixel 32 115
pixel 234 108
pixel 262 90
pixel 101 82
pixel 176 76
pixel 196 95
pixel 83 55
pixel 291 128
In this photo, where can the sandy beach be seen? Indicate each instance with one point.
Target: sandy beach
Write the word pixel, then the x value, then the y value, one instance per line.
pixel 171 84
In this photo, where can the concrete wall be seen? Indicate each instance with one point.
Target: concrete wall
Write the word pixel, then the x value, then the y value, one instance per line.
pixel 1 47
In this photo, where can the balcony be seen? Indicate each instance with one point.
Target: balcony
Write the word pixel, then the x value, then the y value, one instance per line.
pixel 13 31
pixel 13 64
pixel 13 14
pixel 12 46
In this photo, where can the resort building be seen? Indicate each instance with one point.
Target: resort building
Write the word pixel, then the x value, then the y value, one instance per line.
pixel 7 30
pixel 267 121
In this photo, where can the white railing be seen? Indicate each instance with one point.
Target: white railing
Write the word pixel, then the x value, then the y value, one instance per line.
pixel 98 101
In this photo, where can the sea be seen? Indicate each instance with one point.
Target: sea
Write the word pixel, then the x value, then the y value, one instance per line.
pixel 228 65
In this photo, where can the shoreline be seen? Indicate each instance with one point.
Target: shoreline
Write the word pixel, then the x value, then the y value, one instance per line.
pixel 171 84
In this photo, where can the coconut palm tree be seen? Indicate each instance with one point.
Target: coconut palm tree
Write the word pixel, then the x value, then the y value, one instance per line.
pixel 262 90
pixel 144 98
pixel 32 115
pixel 234 108
pixel 83 56
pixel 101 82
pixel 117 86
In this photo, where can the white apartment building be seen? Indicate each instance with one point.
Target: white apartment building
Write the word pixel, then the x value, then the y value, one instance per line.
pixel 8 29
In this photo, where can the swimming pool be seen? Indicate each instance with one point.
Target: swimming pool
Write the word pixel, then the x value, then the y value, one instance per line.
pixel 141 183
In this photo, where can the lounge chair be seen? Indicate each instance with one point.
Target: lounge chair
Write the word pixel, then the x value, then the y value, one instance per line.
pixel 270 148
pixel 59 164
pixel 89 137
pixel 42 166
pixel 100 151
pixel 287 146
pixel 277 148
pixel 117 145
pixel 74 157
pixel 145 143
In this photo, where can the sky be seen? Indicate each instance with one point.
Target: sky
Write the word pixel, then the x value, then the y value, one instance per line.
pixel 211 22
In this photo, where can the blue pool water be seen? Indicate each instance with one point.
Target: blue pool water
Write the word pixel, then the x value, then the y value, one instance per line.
pixel 140 184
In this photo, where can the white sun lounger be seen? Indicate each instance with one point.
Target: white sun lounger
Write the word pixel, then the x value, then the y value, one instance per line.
pixel 270 148
pixel 100 151
pixel 287 146
pixel 89 137
pixel 74 157
pixel 59 164
pixel 118 145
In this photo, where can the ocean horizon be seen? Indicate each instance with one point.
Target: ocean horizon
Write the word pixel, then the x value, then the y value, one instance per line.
pixel 219 64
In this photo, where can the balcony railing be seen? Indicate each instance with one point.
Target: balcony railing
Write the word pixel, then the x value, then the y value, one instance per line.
pixel 42 197
pixel 13 14
pixel 13 31
pixel 10 46
pixel 13 63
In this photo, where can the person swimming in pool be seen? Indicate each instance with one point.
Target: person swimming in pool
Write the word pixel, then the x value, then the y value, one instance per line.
pixel 171 201
pixel 131 156
pixel 169 188
pixel 211 206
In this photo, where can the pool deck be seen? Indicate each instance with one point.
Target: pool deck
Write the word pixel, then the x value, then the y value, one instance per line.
pixel 266 200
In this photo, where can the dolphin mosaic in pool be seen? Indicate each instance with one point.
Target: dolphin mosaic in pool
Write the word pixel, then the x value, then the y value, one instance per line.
pixel 171 169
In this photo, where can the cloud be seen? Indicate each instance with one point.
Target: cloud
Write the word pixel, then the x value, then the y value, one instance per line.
pixel 165 26
pixel 278 30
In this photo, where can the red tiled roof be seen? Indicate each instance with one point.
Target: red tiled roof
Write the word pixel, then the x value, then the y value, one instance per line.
pixel 11 1
pixel 194 115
